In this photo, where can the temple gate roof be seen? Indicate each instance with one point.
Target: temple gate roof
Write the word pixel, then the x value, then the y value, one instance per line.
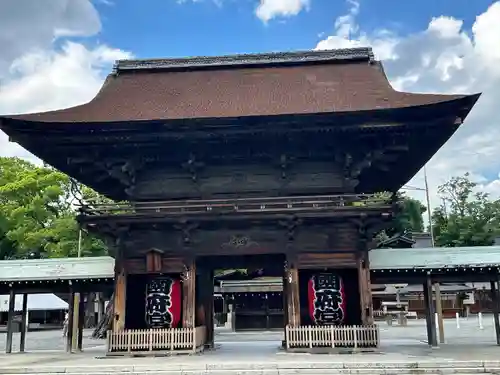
pixel 272 84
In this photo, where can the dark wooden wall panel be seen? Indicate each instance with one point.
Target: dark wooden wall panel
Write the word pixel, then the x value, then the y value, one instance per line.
pixel 240 180
pixel 137 266
pixel 339 236
pixel 168 240
pixel 326 260
pixel 245 238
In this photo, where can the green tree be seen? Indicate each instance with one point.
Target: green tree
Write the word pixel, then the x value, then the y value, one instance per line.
pixel 409 218
pixel 7 247
pixel 37 214
pixel 466 217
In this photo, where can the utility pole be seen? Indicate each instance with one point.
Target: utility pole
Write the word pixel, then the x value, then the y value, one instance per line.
pixel 445 208
pixel 437 288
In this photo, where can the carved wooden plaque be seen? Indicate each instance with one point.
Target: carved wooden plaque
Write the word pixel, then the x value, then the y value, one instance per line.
pixel 154 261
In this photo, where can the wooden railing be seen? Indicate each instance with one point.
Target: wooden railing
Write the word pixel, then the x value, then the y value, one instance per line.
pixel 333 337
pixel 237 205
pixel 155 340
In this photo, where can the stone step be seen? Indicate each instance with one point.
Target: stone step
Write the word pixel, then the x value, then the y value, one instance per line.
pixel 281 368
pixel 266 372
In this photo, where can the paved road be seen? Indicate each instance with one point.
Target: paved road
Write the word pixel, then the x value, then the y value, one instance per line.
pixel 49 340
pixel 392 338
pixel 401 346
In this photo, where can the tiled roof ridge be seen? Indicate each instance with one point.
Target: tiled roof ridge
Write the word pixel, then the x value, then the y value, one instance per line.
pixel 345 54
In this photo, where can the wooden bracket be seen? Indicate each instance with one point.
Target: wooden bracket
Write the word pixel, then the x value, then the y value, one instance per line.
pixel 122 234
pixel 291 225
pixel 284 164
pixel 186 228
pixel 125 171
pixel 192 166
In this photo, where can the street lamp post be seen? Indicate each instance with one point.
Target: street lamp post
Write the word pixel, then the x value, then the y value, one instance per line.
pixel 429 214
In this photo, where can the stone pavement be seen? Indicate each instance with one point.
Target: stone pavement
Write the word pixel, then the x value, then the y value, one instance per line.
pixel 403 351
pixel 48 340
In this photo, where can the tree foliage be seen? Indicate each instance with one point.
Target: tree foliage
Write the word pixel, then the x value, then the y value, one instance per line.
pixel 409 218
pixel 466 217
pixel 37 213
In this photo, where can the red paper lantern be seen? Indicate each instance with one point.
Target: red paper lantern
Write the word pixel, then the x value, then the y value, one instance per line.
pixel 163 302
pixel 326 299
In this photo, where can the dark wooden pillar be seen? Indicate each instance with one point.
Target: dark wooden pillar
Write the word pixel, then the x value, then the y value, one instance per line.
pixel 206 295
pixel 189 294
pixel 71 308
pixel 10 321
pixel 285 304
pixel 81 320
pixel 365 292
pixel 284 295
pixel 439 311
pixel 210 311
pixel 429 312
pixel 100 306
pixel 24 323
pixel 120 296
pixel 495 299
pixel 292 295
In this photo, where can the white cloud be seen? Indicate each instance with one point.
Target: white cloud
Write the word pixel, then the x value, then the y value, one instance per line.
pixel 35 75
pixel 269 9
pixel 445 58
pixel 71 76
pixel 26 25
pixel 266 10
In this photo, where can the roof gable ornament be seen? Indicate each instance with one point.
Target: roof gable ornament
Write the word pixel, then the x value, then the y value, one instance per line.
pixel 299 57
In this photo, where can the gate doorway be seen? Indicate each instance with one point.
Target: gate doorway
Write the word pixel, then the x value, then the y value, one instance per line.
pixel 248 301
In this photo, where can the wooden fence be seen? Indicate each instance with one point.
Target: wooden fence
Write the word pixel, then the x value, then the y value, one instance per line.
pixel 170 340
pixel 333 336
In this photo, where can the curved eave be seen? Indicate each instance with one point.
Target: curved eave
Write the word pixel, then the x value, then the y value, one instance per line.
pixel 43 139
pixel 455 105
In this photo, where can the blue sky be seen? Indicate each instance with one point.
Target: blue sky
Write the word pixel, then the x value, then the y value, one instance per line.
pixel 161 28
